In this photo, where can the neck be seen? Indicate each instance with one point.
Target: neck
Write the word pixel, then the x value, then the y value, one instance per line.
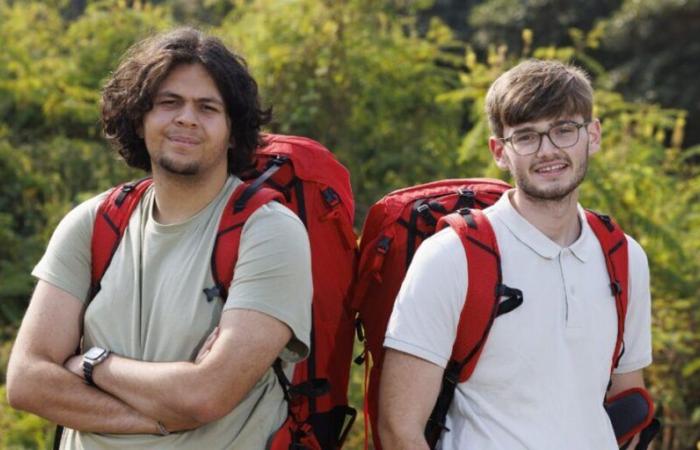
pixel 557 219
pixel 177 197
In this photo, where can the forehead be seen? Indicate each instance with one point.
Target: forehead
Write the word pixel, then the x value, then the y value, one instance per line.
pixel 190 81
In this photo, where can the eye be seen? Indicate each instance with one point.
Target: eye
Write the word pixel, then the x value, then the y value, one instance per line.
pixel 525 138
pixel 565 129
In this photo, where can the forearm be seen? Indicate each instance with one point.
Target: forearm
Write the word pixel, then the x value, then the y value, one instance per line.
pixel 170 392
pixel 50 391
pixel 397 436
pixel 189 394
pixel 403 417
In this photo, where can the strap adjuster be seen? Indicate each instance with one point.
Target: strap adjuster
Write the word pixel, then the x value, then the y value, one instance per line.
pixel 616 288
pixel 330 197
pixel 383 245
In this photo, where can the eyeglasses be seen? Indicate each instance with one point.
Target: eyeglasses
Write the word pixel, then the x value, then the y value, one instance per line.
pixel 563 135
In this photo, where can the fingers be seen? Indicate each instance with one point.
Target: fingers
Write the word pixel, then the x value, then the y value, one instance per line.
pixel 206 347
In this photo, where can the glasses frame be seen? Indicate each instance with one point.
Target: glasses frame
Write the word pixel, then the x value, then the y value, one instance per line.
pixel 541 134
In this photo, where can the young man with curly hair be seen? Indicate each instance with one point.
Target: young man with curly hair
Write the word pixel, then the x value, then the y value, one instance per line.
pixel 543 374
pixel 174 370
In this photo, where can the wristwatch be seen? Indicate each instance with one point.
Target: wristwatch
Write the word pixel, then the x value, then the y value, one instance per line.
pixel 91 358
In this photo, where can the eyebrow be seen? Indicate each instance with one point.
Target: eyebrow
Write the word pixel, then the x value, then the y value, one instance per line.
pixel 551 124
pixel 199 100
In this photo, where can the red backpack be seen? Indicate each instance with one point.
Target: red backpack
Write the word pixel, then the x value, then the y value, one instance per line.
pixel 305 177
pixel 397 225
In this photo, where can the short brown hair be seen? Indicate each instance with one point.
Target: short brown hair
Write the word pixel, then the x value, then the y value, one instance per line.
pixel 536 90
pixel 128 95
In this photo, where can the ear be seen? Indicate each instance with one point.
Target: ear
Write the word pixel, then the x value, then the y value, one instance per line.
pixel 594 136
pixel 498 151
pixel 139 131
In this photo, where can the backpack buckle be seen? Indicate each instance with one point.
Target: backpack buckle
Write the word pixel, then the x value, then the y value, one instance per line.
pixel 424 211
pixel 278 160
pixel 331 197
pixel 124 192
pixel 383 245
pixel 464 192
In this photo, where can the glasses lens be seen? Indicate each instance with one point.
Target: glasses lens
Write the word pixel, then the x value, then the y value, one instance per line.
pixel 564 135
pixel 525 142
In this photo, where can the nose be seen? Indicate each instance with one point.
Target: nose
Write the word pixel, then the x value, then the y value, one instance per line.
pixel 546 145
pixel 186 116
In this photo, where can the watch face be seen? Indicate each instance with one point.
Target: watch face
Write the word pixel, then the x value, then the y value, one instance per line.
pixel 94 353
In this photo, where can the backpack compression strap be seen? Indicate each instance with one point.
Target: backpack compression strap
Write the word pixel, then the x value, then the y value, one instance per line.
pixel 614 244
pixel 113 216
pixel 487 298
pixel 246 199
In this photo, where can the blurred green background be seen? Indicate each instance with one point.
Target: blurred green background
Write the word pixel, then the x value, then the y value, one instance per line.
pixel 395 89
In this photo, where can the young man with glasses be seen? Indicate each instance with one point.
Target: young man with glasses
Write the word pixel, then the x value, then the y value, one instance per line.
pixel 544 370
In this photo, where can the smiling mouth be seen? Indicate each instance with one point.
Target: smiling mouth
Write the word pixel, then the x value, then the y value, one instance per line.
pixel 184 140
pixel 552 168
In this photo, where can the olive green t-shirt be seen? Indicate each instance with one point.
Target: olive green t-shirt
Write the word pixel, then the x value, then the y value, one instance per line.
pixel 152 307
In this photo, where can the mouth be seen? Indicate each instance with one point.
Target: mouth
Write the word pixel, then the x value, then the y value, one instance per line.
pixel 551 168
pixel 186 140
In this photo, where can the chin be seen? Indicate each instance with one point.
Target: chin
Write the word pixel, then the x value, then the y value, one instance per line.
pixel 174 168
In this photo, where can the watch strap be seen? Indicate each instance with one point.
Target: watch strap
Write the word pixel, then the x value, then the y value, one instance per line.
pixel 90 363
pixel 87 373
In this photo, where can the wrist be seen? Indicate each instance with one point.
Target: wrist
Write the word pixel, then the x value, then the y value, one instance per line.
pixel 92 358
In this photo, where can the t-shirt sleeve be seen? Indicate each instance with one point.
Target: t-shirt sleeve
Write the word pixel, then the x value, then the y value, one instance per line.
pixel 273 274
pixel 66 262
pixel 427 309
pixel 637 337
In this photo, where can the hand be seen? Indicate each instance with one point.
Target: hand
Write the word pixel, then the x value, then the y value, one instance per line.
pixel 74 364
pixel 206 347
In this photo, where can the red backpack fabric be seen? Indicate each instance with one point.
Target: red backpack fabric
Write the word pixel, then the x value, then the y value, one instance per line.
pixel 305 177
pixel 317 187
pixel 395 226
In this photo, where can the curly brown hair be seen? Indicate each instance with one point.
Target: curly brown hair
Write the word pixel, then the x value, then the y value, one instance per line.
pixel 129 93
pixel 537 89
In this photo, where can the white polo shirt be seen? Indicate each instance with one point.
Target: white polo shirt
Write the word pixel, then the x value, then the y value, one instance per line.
pixel 544 370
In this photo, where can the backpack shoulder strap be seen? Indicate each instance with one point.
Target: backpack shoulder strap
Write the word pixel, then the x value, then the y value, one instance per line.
pixel 487 298
pixel 112 218
pixel 245 200
pixel 614 245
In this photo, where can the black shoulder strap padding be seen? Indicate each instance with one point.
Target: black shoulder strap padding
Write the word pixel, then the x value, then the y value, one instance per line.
pixel 436 422
pixel 282 377
pixel 411 235
pixel 57 437
pixel 273 166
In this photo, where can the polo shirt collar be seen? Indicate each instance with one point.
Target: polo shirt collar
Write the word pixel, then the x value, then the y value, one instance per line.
pixel 537 241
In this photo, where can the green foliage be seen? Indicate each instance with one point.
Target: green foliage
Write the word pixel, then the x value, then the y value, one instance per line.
pixel 653 53
pixel 357 79
pixel 360 77
pixel 22 431
pixel 502 21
